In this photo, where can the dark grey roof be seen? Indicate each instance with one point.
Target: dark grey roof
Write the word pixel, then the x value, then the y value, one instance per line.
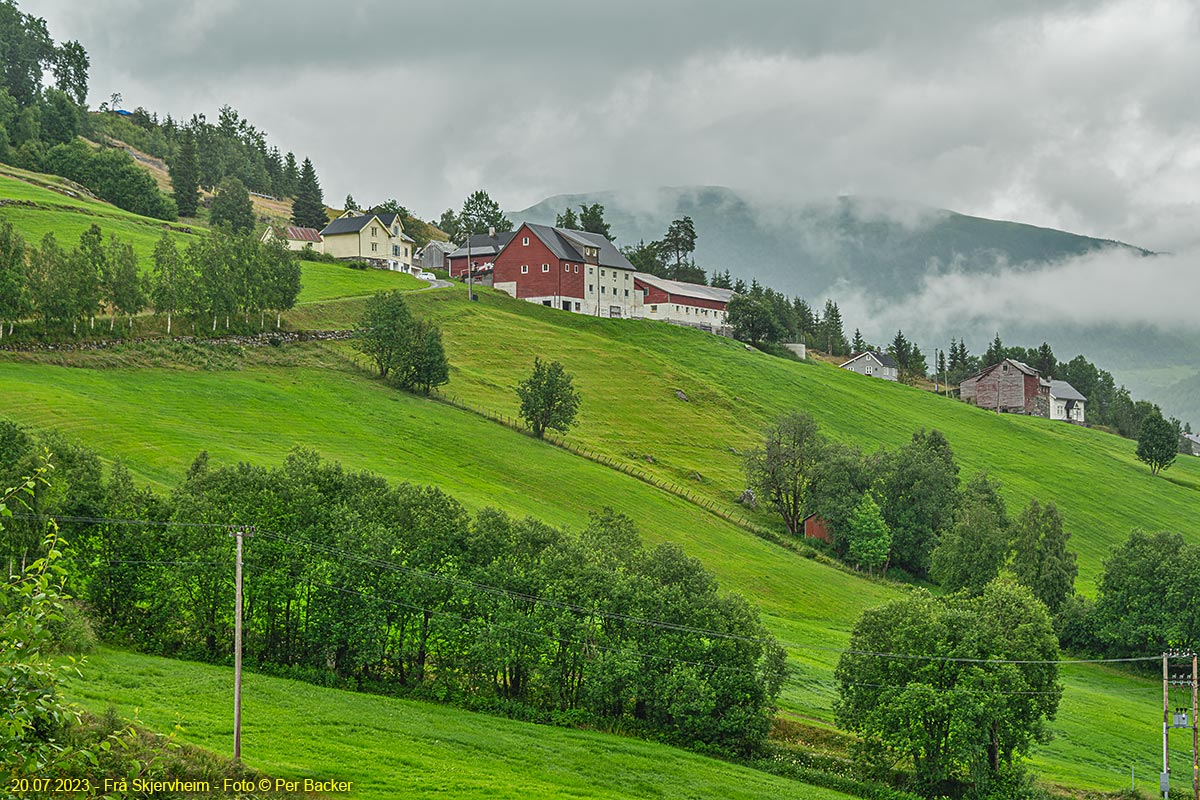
pixel 568 245
pixel 1021 365
pixel 348 224
pixel 1065 391
pixel 883 358
pixel 684 289
pixel 484 244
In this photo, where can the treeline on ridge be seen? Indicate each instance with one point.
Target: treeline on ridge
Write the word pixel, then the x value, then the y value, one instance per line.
pixel 355 582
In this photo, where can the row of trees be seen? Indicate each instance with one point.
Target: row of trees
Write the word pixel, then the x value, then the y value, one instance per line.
pixel 218 275
pixel 907 509
pixel 353 581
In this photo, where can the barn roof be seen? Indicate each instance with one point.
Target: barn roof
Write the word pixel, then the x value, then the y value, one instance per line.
pixel 697 290
pixel 484 244
pixel 302 234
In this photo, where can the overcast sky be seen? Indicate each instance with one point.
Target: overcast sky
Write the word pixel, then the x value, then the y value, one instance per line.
pixel 1079 115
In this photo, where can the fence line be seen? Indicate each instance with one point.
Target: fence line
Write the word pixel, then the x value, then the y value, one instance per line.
pixel 634 472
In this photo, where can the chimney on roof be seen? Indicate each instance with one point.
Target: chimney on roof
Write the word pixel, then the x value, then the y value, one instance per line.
pixel 492 232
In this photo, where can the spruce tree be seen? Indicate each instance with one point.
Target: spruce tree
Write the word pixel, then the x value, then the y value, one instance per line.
pixel 291 176
pixel 232 207
pixel 859 344
pixel 308 209
pixel 185 177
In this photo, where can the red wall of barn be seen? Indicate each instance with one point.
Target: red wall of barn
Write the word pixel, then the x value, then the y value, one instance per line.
pixel 536 283
pixel 814 528
pixel 1031 391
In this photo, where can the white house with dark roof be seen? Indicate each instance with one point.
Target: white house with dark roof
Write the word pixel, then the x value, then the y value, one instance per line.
pixel 568 270
pixel 1066 402
pixel 874 364
pixel 682 303
pixel 378 239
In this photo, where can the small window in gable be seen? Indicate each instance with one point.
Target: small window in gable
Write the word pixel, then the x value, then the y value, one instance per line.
pixel 525 240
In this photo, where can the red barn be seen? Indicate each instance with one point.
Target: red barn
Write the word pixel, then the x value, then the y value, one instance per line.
pixel 815 528
pixel 1011 386
pixel 568 270
pixel 692 304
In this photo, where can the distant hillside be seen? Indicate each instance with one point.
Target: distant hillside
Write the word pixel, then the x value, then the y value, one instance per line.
pixel 880 252
pixel 809 248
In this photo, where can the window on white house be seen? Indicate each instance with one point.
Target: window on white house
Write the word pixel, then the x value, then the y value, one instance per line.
pixel 374 231
pixel 601 273
pixel 395 249
pixel 653 309
pixel 374 247
pixel 591 270
pixel 577 306
pixel 627 293
pixel 601 290
pixel 524 269
pixel 591 288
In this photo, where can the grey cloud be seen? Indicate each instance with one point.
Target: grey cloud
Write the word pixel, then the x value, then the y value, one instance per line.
pixel 1072 114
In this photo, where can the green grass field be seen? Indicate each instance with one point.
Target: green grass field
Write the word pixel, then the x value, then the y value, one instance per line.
pixel 257 413
pixel 257 406
pixel 393 748
pixel 628 373
pixel 322 281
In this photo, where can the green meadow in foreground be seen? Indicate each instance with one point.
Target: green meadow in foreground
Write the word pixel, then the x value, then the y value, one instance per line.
pixel 257 413
pixel 393 748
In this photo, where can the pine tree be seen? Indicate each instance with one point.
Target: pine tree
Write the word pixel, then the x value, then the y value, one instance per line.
pixel 995 352
pixel 859 344
pixel 185 177
pixel 833 337
pixel 308 209
pixel 567 220
pixel 591 219
pixel 291 176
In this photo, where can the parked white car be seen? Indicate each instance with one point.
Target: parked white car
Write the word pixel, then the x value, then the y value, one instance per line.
pixel 427 276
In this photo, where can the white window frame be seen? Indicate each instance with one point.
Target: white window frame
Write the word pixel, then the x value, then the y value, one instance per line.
pixel 545 267
pixel 524 269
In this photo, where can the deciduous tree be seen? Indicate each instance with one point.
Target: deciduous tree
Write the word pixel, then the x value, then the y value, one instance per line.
pixel 781 471
pixel 382 333
pixel 1158 443
pixel 548 398
pixel 1041 559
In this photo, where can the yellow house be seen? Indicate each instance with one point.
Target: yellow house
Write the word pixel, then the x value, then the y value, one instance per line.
pixel 378 239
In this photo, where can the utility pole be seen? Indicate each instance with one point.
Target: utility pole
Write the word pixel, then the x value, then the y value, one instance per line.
pixel 239 531
pixel 1188 675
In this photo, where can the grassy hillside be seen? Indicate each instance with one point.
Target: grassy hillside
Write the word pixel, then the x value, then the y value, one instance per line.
pixel 255 405
pixel 628 374
pixel 393 748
